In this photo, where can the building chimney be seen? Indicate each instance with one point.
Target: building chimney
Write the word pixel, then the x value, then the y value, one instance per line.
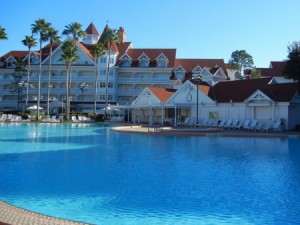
pixel 122 34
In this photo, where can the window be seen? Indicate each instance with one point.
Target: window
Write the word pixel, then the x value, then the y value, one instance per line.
pixel 110 97
pixel 102 85
pixel 162 64
pixel 102 97
pixel 103 60
pixel 179 75
pixel 144 63
pixel 213 115
pixel 144 60
pixel 102 72
pixel 125 63
pixel 112 60
pixel 110 85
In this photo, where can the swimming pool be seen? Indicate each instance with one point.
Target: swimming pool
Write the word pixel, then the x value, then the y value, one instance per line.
pixel 92 174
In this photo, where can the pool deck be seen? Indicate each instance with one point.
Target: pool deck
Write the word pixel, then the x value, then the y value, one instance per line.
pixel 204 132
pixel 12 215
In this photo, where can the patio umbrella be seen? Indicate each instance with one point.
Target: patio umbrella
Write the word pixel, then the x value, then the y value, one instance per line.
pixel 34 107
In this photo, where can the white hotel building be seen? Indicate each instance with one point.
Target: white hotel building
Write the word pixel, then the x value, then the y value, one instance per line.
pixel 131 70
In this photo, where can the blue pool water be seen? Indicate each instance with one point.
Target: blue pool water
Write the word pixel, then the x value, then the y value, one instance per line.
pixel 92 174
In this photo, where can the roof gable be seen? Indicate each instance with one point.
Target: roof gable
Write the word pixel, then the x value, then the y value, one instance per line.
pixel 197 70
pixel 152 96
pixel 143 56
pixel 152 54
pixel 258 97
pixel 83 53
pixel 125 57
pixel 162 57
pixel 179 69
pixel 190 89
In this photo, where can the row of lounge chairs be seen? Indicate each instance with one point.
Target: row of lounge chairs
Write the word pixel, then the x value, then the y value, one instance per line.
pixel 248 125
pixel 10 118
pixel 80 119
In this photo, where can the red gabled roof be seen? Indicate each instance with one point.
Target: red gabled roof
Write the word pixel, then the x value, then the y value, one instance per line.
pixel 161 93
pixel 275 70
pixel 91 29
pixel 122 48
pixel 152 54
pixel 237 90
pixel 46 50
pixel 210 64
pixel 282 92
pixel 86 50
pixel 240 90
pixel 15 54
pixel 204 88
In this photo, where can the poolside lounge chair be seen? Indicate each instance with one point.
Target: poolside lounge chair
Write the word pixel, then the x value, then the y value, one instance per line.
pixel 3 117
pixel 246 124
pixel 239 125
pixel 184 123
pixel 252 125
pixel 222 123
pixel 74 119
pixel 274 125
pixel 202 123
pixel 228 124
pixel 258 126
pixel 215 123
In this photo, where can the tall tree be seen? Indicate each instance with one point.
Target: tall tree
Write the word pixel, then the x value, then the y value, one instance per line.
pixel 40 27
pixel 292 68
pixel 3 35
pixel 255 73
pixel 108 37
pixel 30 42
pixel 97 51
pixel 240 60
pixel 75 29
pixel 53 38
pixel 68 56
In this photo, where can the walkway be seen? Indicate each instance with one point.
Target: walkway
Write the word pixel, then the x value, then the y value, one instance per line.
pixel 11 215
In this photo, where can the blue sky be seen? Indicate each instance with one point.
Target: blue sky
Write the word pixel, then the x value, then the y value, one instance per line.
pixel 197 29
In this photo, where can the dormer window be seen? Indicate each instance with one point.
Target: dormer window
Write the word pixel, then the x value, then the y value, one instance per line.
pixel 162 61
pixel 179 72
pixel 125 61
pixel 11 62
pixel 144 60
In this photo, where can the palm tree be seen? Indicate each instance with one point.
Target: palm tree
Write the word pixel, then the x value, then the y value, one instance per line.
pixel 14 86
pixel 68 56
pixel 97 51
pixel 3 35
pixel 40 27
pixel 53 38
pixel 108 37
pixel 30 42
pixel 75 29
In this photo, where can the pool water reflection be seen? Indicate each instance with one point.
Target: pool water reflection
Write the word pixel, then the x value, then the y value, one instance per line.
pixel 92 174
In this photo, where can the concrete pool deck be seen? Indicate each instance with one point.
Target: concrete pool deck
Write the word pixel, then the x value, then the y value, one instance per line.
pixel 10 214
pixel 204 132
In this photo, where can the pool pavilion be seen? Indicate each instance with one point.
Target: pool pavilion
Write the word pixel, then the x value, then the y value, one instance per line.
pixel 257 99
